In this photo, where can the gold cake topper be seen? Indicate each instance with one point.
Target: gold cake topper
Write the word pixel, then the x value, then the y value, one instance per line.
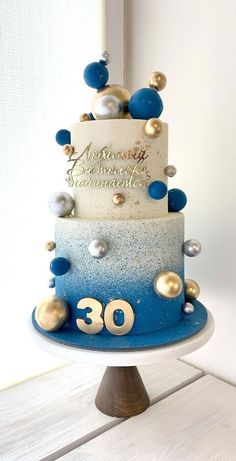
pixel 89 170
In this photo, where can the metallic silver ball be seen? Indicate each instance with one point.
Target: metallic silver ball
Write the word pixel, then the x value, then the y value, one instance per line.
pixel 188 308
pixel 51 282
pixel 170 171
pixel 61 204
pixel 192 247
pixel 105 56
pixel 98 249
pixel 107 107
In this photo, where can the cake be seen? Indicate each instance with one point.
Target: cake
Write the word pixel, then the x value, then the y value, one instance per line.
pixel 119 241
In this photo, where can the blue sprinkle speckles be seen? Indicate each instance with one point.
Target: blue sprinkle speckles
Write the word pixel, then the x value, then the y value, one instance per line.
pixel 176 200
pixel 63 137
pixel 145 103
pixel 96 75
pixel 157 190
pixel 59 266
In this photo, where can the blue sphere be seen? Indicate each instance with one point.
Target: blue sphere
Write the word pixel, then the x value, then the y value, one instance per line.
pixel 63 137
pixel 176 200
pixel 157 190
pixel 145 103
pixel 91 116
pixel 59 266
pixel 96 75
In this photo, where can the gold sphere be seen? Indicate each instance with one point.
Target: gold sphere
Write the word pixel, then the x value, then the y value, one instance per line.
pixel 118 199
pixel 68 149
pixel 50 245
pixel 84 118
pixel 157 80
pixel 191 289
pixel 119 91
pixel 51 313
pixel 168 284
pixel 153 128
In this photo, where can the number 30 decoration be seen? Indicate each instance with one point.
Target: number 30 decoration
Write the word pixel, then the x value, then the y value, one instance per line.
pixel 98 322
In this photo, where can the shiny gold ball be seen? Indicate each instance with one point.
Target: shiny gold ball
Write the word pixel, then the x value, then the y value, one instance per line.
pixel 191 289
pixel 157 80
pixel 168 284
pixel 84 118
pixel 120 92
pixel 50 245
pixel 51 313
pixel 68 149
pixel 153 128
pixel 118 199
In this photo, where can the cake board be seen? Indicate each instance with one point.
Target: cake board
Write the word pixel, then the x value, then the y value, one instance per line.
pixel 122 392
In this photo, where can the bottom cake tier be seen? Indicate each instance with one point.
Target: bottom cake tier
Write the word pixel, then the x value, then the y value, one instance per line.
pixel 112 301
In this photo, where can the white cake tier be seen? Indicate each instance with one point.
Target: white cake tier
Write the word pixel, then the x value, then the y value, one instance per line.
pixel 116 157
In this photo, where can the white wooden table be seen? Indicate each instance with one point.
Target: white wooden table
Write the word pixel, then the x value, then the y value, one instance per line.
pixel 192 418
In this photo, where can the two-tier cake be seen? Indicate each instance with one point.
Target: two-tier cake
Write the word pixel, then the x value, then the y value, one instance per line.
pixel 119 242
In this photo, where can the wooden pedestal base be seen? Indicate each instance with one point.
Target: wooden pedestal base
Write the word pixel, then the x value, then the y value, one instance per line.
pixel 122 392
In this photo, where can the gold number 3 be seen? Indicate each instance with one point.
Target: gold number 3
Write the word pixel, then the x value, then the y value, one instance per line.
pixel 97 322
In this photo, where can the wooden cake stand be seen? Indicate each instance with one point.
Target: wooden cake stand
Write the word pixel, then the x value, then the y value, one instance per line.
pixel 122 392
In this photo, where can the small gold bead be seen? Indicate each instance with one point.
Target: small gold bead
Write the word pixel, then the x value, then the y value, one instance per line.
pixel 153 128
pixel 157 80
pixel 118 199
pixel 191 289
pixel 68 149
pixel 50 245
pixel 84 118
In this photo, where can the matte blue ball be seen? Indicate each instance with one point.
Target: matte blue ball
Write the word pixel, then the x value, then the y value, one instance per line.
pixel 63 137
pixel 145 103
pixel 157 190
pixel 59 266
pixel 176 200
pixel 96 75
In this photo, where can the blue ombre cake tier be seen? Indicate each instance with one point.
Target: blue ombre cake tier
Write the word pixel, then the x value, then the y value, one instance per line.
pixel 137 251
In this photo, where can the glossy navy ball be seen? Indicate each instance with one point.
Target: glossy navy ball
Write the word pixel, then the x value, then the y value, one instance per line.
pixel 145 103
pixel 188 308
pixel 157 190
pixel 96 75
pixel 170 171
pixel 98 249
pixel 59 266
pixel 51 282
pixel 192 248
pixel 63 137
pixel 176 200
pixel 61 204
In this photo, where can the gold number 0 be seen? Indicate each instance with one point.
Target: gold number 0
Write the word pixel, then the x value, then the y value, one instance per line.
pixel 95 315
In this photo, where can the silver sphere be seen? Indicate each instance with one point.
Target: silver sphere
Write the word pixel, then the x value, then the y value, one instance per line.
pixel 105 56
pixel 170 171
pixel 107 107
pixel 98 249
pixel 192 248
pixel 61 204
pixel 51 282
pixel 188 308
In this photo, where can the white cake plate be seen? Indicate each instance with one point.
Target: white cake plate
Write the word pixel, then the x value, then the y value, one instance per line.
pixel 122 392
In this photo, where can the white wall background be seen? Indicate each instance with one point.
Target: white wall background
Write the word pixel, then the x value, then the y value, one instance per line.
pixel 44 47
pixel 194 43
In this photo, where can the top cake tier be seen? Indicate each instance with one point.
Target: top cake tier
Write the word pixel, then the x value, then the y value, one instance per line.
pixel 112 166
